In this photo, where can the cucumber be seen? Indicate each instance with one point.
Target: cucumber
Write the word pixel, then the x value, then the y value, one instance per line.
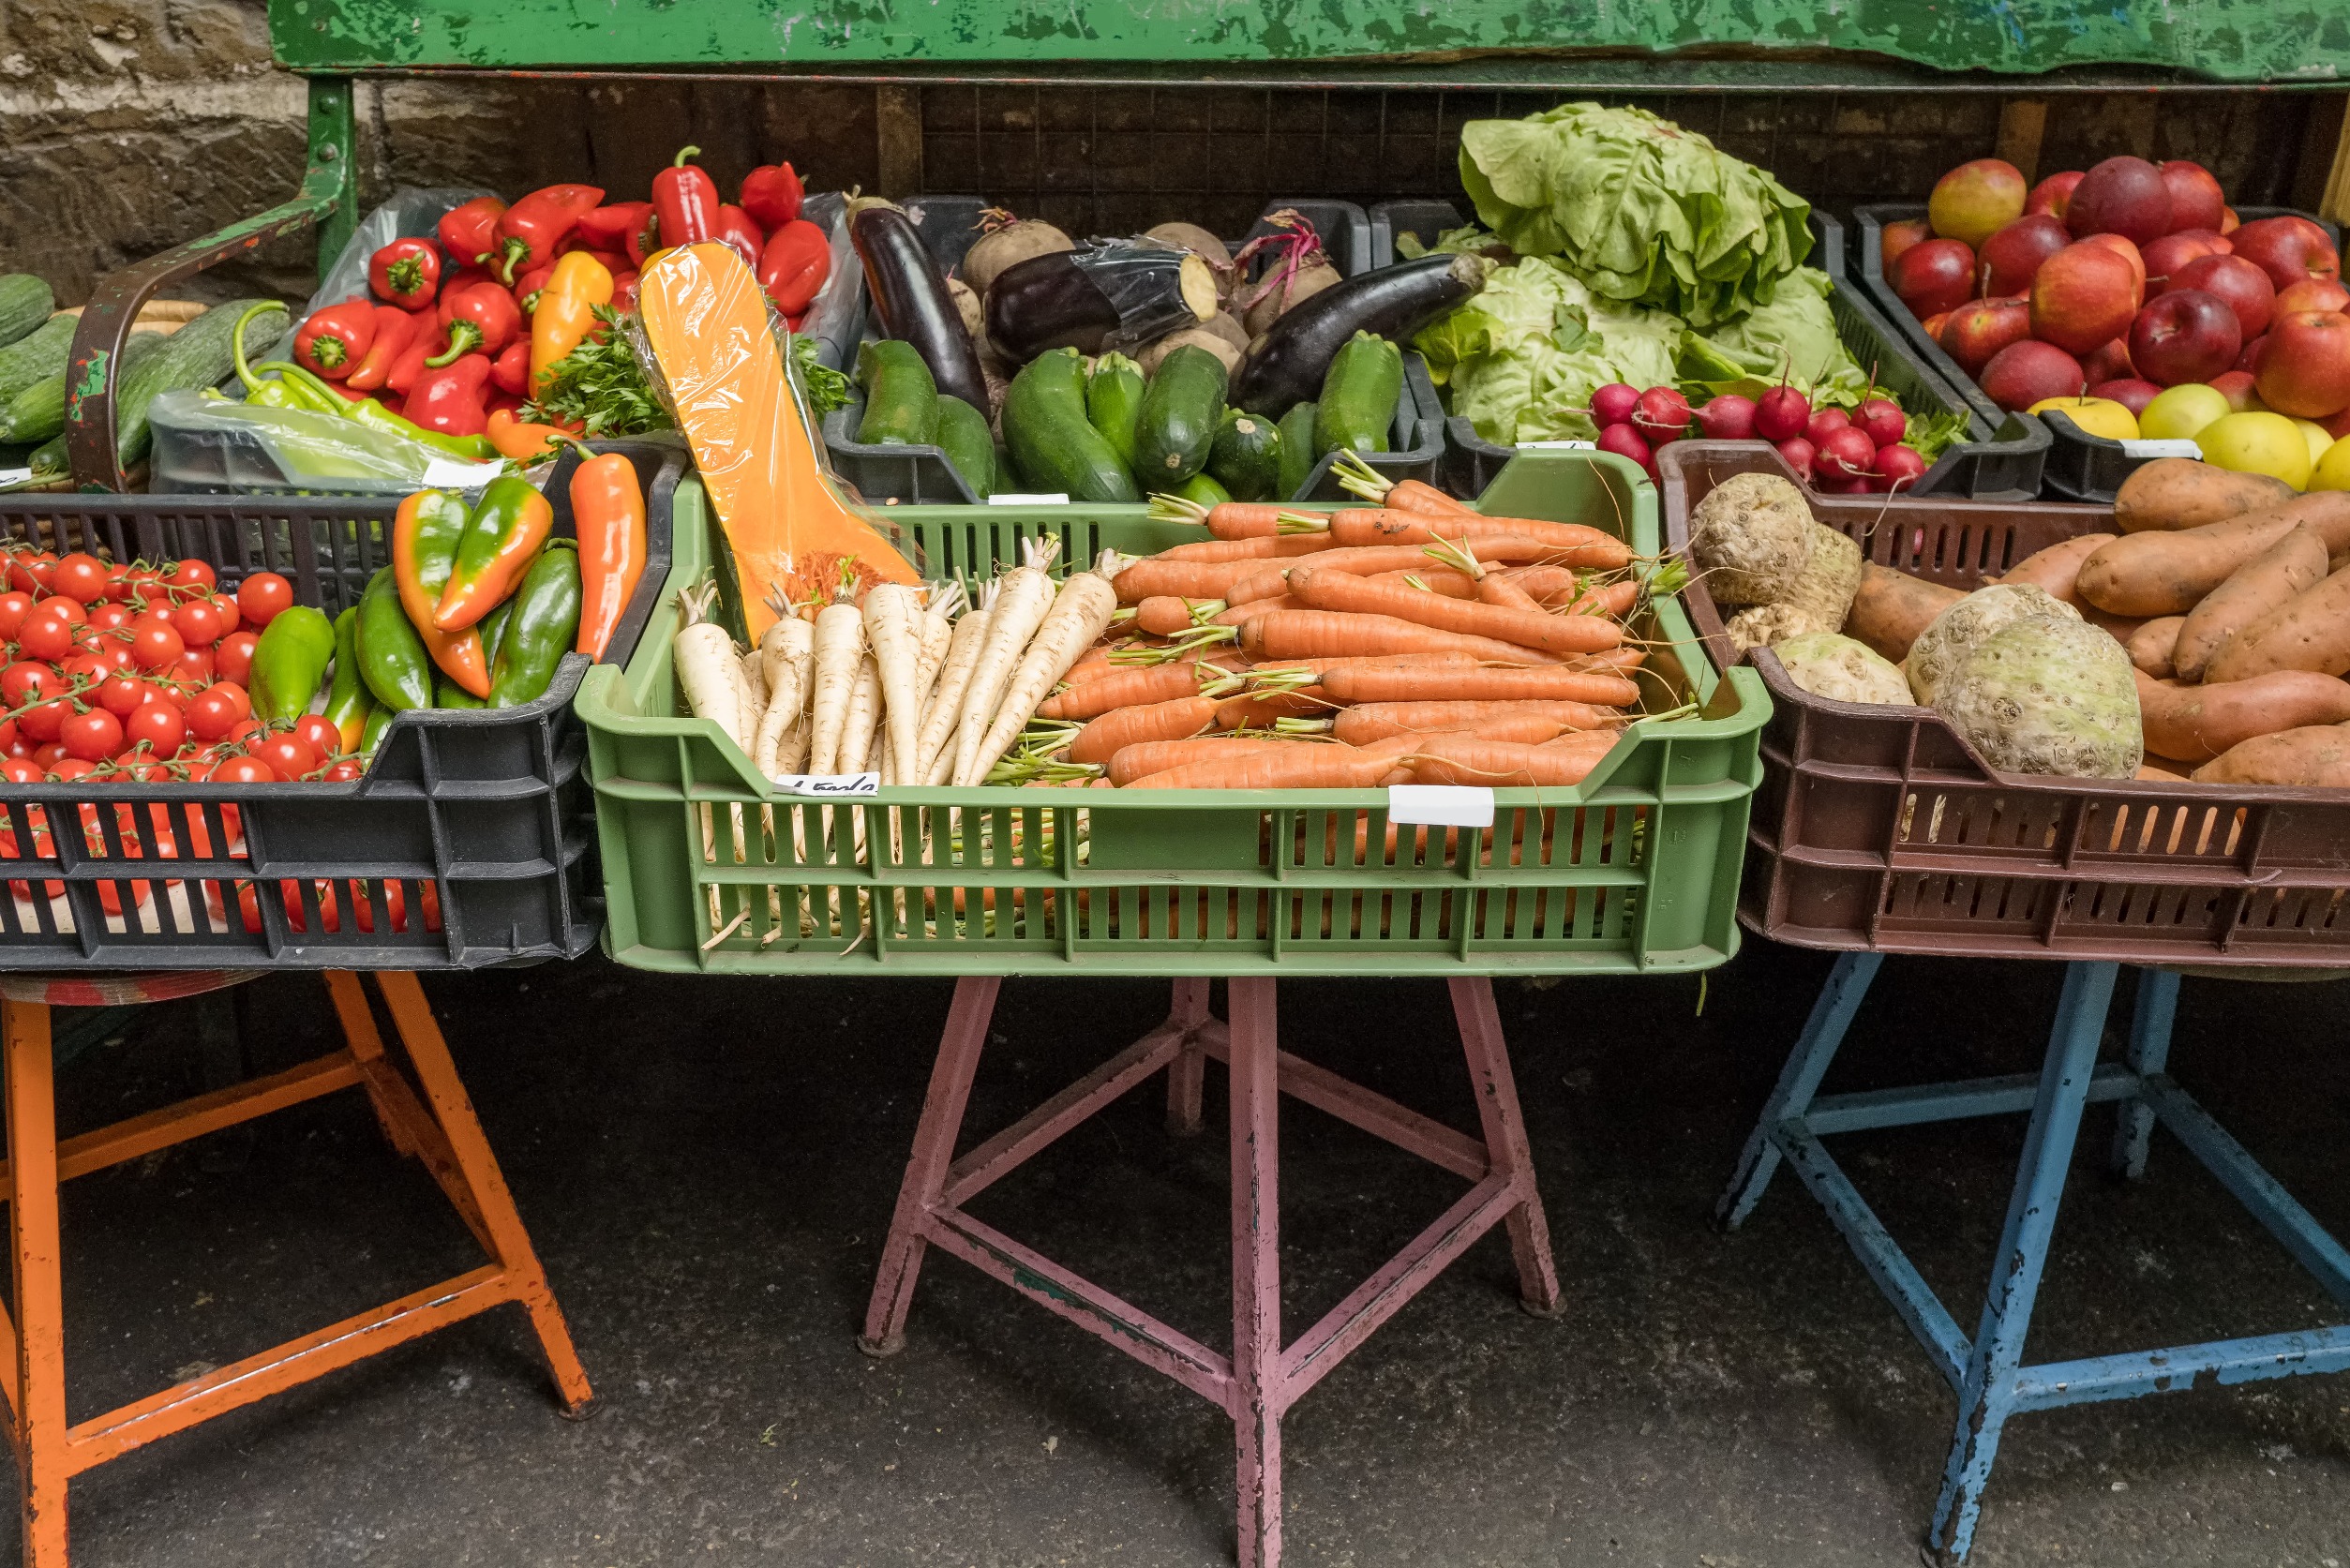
pixel 1053 447
pixel 1177 424
pixel 1114 400
pixel 1297 454
pixel 1202 487
pixel 901 400
pixel 1246 457
pixel 194 357
pixel 25 302
pixel 37 357
pixel 1359 397
pixel 39 411
pixel 963 437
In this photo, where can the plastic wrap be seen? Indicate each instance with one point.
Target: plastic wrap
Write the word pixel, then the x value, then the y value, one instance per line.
pixel 714 357
pixel 1143 280
pixel 211 444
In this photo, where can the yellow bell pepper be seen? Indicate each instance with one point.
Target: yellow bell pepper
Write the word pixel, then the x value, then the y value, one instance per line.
pixel 566 310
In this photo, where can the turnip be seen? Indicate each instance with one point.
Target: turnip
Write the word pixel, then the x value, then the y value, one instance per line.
pixel 1781 413
pixel 1080 614
pixel 1200 243
pixel 1614 404
pixel 1299 272
pixel 1005 240
pixel 1024 595
pixel 1728 418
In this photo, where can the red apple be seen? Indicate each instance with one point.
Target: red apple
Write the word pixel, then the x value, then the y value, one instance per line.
pixel 2053 194
pixel 1975 199
pixel 1935 277
pixel 2244 286
pixel 2339 425
pixel 2014 253
pixel 1975 330
pixel 2289 249
pixel 2220 244
pixel 2313 294
pixel 2129 253
pixel 2305 369
pixel 2185 336
pixel 2195 199
pixel 2082 300
pixel 2229 222
pixel 1898 237
pixel 2250 358
pixel 2237 387
pixel 1931 326
pixel 2109 362
pixel 2023 373
pixel 2123 196
pixel 2131 393
pixel 2167 255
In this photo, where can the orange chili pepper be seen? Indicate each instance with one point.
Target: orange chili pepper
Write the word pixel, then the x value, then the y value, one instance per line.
pixel 608 508
pixel 502 538
pixel 518 439
pixel 425 534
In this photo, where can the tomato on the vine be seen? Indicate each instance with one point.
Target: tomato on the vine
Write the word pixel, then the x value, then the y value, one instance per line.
pixel 29 570
pixel 233 659
pixel 344 770
pixel 225 606
pixel 261 596
pixel 192 575
pixel 211 714
pixel 121 694
pixel 106 618
pixel 193 667
pixel 68 768
pixel 198 623
pixel 93 736
pixel 41 723
pixel 14 607
pixel 49 756
pixel 46 637
pixel 244 770
pixel 245 732
pixel 21 770
pixel 81 578
pixel 27 679
pixel 156 646
pixel 323 737
pixel 158 726
pixel 286 752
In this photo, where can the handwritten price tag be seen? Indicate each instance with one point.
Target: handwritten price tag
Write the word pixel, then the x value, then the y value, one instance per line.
pixel 830 786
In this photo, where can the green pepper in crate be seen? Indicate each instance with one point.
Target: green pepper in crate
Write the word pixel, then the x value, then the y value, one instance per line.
pixel 289 663
pixel 502 538
pixel 448 693
pixel 392 657
pixel 545 623
pixel 347 699
pixel 379 720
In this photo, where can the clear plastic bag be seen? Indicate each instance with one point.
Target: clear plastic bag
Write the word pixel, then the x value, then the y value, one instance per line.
pixel 409 212
pixel 214 446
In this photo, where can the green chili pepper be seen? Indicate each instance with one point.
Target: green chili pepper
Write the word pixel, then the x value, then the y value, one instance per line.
pixel 310 391
pixel 289 663
pixel 378 719
pixel 448 693
pixel 299 391
pixel 347 699
pixel 546 623
pixel 493 630
pixel 500 542
pixel 392 659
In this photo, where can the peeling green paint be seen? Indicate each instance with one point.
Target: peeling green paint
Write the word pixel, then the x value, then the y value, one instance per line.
pixel 2231 40
pixel 93 382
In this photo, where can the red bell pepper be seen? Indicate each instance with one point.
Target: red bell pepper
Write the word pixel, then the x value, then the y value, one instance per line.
pixel 470 232
pixel 449 400
pixel 534 226
pixel 408 367
pixel 334 341
pixel 394 329
pixel 738 234
pixel 510 370
pixel 771 195
pixel 608 228
pixel 500 401
pixel 481 316
pixel 624 292
pixel 406 273
pixel 645 240
pixel 526 288
pixel 794 266
pixel 685 202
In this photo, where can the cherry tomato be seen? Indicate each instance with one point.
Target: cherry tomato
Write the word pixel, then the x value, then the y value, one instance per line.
pixel 244 770
pixel 29 570
pixel 121 694
pixel 288 753
pixel 93 737
pixel 211 714
pixel 7 735
pixel 81 577
pixel 46 637
pixel 323 737
pixel 68 768
pixel 107 617
pixel 21 747
pixel 226 608
pixel 345 770
pixel 192 575
pixel 195 667
pixel 233 659
pixel 19 770
pixel 14 606
pixel 245 732
pixel 142 768
pixel 158 726
pixel 89 669
pixel 49 756
pixel 198 623
pixel 236 693
pixel 115 653
pixel 24 681
pixel 41 723
pixel 155 645
pixel 64 609
pixel 260 596
pixel 144 580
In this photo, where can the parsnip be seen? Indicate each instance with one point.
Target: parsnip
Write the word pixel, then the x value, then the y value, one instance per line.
pixel 863 721
pixel 788 651
pixel 839 650
pixel 710 669
pixel 945 707
pixel 1024 598
pixel 894 630
pixel 1080 614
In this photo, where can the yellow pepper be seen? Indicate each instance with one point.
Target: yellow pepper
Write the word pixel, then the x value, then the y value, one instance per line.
pixel 566 310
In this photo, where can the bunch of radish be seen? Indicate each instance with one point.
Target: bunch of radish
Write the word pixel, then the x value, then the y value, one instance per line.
pixel 1832 450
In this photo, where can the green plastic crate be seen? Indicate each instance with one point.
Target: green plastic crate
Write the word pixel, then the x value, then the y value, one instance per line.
pixel 709 871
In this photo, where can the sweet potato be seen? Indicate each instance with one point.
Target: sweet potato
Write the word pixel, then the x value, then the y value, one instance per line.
pixel 2059 567
pixel 2162 770
pixel 2286 569
pixel 1892 607
pixel 2150 645
pixel 2309 631
pixel 2195 723
pixel 2168 573
pixel 2172 493
pixel 2314 757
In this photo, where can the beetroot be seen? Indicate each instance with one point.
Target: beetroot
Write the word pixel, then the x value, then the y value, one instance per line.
pixel 1845 454
pixel 1781 413
pixel 1882 420
pixel 1728 418
pixel 1614 404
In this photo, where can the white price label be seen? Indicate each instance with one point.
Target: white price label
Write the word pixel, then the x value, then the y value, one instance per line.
pixel 2160 449
pixel 1558 446
pixel 1441 805
pixel 1000 499
pixel 830 786
pixel 15 476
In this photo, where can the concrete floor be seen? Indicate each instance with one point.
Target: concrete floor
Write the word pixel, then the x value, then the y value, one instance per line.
pixel 708 1169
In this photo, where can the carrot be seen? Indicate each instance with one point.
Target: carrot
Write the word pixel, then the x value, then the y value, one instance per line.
pixel 1458 759
pixel 1184 579
pixel 1309 634
pixel 1267 584
pixel 1240 615
pixel 1248 549
pixel 1318 667
pixel 1295 765
pixel 1123 688
pixel 1238 519
pixel 1452 584
pixel 1542 582
pixel 1258 710
pixel 1374 721
pixel 1574 544
pixel 1614 659
pixel 1446 684
pixel 1163 614
pixel 1146 757
pixel 1496 589
pixel 1370 560
pixel 1530 628
pixel 1113 732
pixel 2195 723
pixel 1612 600
pixel 1358 478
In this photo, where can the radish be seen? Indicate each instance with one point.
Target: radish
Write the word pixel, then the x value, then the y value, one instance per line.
pixel 944 706
pixel 1024 595
pixel 1882 418
pixel 1899 467
pixel 840 648
pixel 1662 416
pixel 1728 418
pixel 1080 614
pixel 1847 453
pixel 894 630
pixel 1826 423
pixel 1800 455
pixel 1614 404
pixel 1781 413
pixel 1624 442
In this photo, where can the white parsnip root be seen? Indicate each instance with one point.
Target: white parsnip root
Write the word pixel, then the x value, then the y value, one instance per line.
pixel 710 668
pixel 863 722
pixel 945 707
pixel 787 659
pixel 839 650
pixel 1080 614
pixel 894 630
pixel 1024 598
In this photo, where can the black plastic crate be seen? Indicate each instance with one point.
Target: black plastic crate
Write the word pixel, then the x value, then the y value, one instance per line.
pixel 2080 466
pixel 1998 459
pixel 470 841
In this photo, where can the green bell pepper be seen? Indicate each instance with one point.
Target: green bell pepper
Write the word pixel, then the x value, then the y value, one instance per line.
pixel 289 663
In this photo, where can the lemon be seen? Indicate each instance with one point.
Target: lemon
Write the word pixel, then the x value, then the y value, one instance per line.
pixel 2320 442
pixel 2179 413
pixel 2266 443
pixel 2333 470
pixel 2096 416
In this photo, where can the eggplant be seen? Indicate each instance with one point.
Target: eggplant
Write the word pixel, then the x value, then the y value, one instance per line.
pixel 1286 365
pixel 1107 294
pixel 909 294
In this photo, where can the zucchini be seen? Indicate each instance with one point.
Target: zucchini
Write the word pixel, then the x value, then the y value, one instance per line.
pixel 1359 397
pixel 196 357
pixel 1202 487
pixel 963 436
pixel 1245 456
pixel 39 357
pixel 1114 400
pixel 901 398
pixel 1177 424
pixel 39 411
pixel 25 302
pixel 1297 454
pixel 1053 447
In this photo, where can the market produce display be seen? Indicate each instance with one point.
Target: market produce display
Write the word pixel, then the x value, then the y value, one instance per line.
pixel 2130 298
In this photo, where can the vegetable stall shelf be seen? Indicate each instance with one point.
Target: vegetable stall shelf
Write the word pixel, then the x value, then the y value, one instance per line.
pixel 1879 831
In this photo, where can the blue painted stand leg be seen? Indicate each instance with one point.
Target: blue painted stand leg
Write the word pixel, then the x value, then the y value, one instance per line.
pixel 1831 1015
pixel 1987 1393
pixel 2149 1056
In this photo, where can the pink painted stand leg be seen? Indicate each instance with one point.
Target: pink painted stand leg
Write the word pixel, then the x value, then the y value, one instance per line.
pixel 1259 1382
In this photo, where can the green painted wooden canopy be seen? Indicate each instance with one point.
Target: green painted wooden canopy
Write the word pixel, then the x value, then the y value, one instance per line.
pixel 1758 43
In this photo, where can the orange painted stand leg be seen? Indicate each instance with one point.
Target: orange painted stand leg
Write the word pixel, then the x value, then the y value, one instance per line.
pixel 438 1128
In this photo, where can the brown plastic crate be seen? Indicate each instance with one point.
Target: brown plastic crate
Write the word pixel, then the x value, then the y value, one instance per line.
pixel 1877 828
